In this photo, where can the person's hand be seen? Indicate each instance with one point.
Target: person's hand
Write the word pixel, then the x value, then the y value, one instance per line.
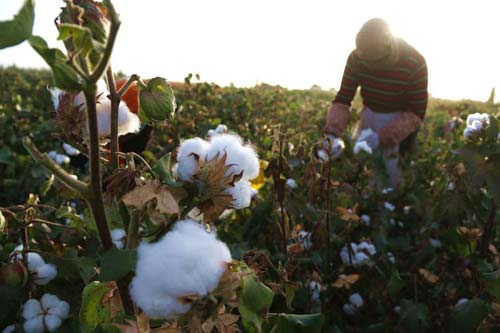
pixel 334 145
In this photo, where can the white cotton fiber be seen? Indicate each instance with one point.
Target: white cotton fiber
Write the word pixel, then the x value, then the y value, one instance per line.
pixel 291 183
pixel 31 308
pixel 34 325
pixel 118 235
pixel 128 122
pixel 349 309
pixel 70 150
pixel 389 206
pixel 187 260
pixel 186 161
pixel 476 122
pixel 360 146
pixel 45 273
pixel 9 329
pixel 241 193
pixel 240 157
pixel 101 95
pixel 360 254
pixel 356 300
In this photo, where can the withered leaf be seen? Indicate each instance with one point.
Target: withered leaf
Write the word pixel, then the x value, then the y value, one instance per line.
pixel 140 195
pixel 429 276
pixel 346 282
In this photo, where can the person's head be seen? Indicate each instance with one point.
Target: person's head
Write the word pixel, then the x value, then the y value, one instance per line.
pixel 374 42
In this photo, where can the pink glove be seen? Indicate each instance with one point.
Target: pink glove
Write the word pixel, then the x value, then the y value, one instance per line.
pixel 394 133
pixel 337 119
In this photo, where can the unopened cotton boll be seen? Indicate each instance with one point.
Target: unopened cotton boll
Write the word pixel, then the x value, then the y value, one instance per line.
pixel 192 259
pixel 240 158
pixel 118 236
pixel 362 146
pixel 187 163
pixel 291 183
pixel 241 193
pixel 128 122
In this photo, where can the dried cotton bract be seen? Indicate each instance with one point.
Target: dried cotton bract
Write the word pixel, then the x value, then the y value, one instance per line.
pixel 186 261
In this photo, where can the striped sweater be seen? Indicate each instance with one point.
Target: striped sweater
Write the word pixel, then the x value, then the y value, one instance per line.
pixel 402 87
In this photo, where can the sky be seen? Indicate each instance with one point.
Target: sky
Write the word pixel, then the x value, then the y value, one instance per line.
pixel 292 43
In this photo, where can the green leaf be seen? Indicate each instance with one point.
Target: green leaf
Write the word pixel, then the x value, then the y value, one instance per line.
pixel 46 185
pixel 157 100
pixel 256 300
pixel 469 315
pixel 115 264
pixel 3 223
pixel 6 156
pixel 92 312
pixel 81 38
pixel 18 29
pixel 64 75
pixel 415 317
pixel 395 284
pixel 293 323
pixel 10 301
pixel 86 268
pixel 164 170
pixel 290 295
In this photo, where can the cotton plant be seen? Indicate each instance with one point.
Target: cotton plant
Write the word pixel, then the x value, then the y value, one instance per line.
pixel 358 255
pixel 355 304
pixel 475 124
pixel 193 260
pixel 41 272
pixel 44 315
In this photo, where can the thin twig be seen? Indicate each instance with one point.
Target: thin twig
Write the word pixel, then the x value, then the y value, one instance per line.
pixel 115 104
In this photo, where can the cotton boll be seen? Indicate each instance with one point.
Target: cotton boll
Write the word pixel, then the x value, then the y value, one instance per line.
pixel 9 329
pixel 323 155
pixel 348 257
pixel 49 301
pixel 212 133
pixel 221 128
pixel 461 301
pixel 55 93
pixel 468 132
pixel 45 273
pixel 396 309
pixel 239 157
pixel 349 309
pixel 360 258
pixel 451 186
pixel 365 219
pixel 241 193
pixel 315 289
pixel 62 159
pixel 70 150
pixel 186 161
pixel 52 154
pixel 389 206
pixel 356 300
pixel 118 235
pixel 31 308
pixel 435 243
pixel 387 190
pixel 305 239
pixel 34 325
pixel 101 95
pixel 52 322
pixel 370 248
pixel 362 146
pixel 34 259
pixel 193 259
pixel 291 183
pixel 128 122
pixel 61 310
pixel 391 257
pixel 476 125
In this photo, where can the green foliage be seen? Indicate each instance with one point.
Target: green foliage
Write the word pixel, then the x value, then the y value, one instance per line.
pixel 92 311
pixel 20 27
pixel 255 303
pixel 115 264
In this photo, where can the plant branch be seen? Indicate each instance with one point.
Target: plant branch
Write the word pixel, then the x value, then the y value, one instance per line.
pixel 133 230
pixel 95 198
pixel 115 104
pixel 488 230
pixel 133 78
pixel 61 174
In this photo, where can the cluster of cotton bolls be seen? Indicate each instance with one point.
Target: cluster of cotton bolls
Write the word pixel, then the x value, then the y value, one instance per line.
pixel 476 122
pixel 358 255
pixel 46 314
pixel 334 145
pixel 240 159
pixel 42 272
pixel 70 150
pixel 118 237
pixel 304 238
pixel 190 259
pixel 355 304
pixel 361 144
pixel 128 122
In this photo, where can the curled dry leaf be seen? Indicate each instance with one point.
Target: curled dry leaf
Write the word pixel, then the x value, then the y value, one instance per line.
pixel 429 276
pixel 346 281
pixel 348 214
pixel 472 234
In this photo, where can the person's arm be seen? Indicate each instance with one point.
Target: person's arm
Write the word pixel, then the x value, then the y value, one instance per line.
pixel 408 122
pixel 338 114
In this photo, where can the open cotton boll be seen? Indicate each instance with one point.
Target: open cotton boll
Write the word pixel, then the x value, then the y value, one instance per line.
pixel 365 219
pixel 9 329
pixel 461 301
pixel 315 289
pixel 48 313
pixel 481 117
pixel 240 157
pixel 34 259
pixel 192 262
pixel 70 150
pixel 362 146
pixel 212 133
pixel 118 236
pixel 356 300
pixel 52 322
pixel 128 122
pixel 323 155
pixel 102 93
pixel 34 325
pixel 349 309
pixel 61 310
pixel 367 247
pixel 391 257
pixel 305 238
pixel 187 163
pixel 221 128
pixel 31 308
pixel 389 206
pixel 387 190
pixel 291 183
pixel 435 243
pixel 45 273
pixel 241 193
